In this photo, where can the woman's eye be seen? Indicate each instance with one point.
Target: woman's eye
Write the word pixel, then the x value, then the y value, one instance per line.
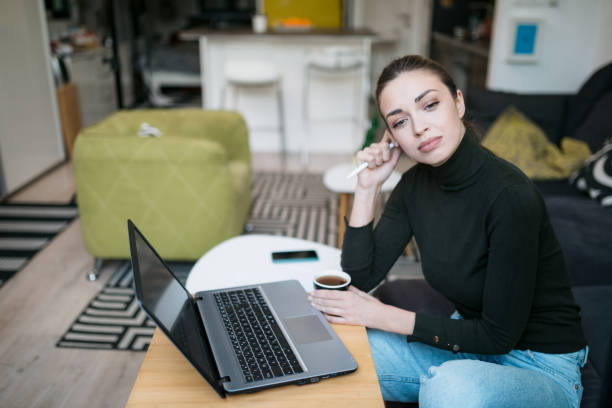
pixel 399 123
pixel 432 105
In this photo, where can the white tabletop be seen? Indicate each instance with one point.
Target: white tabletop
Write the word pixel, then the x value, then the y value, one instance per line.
pixel 335 179
pixel 247 259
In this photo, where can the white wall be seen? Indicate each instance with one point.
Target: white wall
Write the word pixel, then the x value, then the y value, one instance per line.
pixel 406 22
pixel 603 46
pixel 30 137
pixel 575 40
pixel 402 26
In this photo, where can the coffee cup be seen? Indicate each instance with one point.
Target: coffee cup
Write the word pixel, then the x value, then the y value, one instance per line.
pixel 331 279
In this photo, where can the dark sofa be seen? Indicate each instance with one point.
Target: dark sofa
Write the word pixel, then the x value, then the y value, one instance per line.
pixel 582 225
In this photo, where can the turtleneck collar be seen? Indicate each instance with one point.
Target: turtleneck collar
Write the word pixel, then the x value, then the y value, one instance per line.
pixel 460 169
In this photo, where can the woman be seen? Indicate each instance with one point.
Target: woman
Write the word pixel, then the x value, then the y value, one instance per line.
pixel 485 243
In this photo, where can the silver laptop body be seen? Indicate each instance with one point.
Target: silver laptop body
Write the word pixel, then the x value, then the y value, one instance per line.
pixel 198 327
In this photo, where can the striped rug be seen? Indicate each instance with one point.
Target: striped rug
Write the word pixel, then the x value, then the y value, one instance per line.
pixel 25 229
pixel 294 205
pixel 113 320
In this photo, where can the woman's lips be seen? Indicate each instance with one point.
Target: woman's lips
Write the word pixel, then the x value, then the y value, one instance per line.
pixel 430 144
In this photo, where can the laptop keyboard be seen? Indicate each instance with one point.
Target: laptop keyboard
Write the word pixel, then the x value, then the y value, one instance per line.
pixel 260 346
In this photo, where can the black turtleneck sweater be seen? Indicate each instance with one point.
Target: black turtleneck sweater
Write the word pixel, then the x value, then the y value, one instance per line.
pixel 486 243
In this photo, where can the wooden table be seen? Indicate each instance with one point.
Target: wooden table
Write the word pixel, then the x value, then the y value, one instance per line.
pixel 166 379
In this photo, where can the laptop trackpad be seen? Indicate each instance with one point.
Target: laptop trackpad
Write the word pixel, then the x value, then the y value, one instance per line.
pixel 307 329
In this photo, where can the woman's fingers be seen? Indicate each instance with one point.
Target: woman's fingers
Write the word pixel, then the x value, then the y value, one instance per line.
pixel 375 155
pixel 330 310
pixel 327 294
pixel 335 319
pixel 330 301
pixel 366 155
pixel 323 302
pixel 395 155
pixel 346 307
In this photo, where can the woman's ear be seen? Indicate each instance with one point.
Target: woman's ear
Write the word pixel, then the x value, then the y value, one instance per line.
pixel 460 104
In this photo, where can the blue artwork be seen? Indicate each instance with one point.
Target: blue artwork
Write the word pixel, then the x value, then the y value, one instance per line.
pixel 525 40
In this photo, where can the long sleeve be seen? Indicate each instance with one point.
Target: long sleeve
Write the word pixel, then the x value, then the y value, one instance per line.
pixel 368 253
pixel 513 232
pixel 486 244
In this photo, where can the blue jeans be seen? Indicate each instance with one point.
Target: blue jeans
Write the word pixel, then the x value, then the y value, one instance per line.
pixel 412 372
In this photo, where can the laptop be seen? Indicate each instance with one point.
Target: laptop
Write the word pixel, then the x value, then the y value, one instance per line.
pixel 240 339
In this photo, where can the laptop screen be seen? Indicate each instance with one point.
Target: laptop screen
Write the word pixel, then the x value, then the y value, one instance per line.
pixel 169 304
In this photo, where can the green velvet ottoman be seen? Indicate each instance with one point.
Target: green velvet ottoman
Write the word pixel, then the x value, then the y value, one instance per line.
pixel 186 190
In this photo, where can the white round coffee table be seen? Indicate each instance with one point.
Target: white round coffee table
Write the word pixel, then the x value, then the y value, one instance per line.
pixel 247 259
pixel 335 180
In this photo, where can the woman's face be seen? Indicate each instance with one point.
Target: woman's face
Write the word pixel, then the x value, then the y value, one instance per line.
pixel 423 116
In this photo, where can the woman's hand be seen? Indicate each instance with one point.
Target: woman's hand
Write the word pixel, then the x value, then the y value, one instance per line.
pixel 358 308
pixel 381 162
pixel 348 307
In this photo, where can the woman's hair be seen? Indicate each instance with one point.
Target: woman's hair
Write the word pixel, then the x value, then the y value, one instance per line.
pixel 410 63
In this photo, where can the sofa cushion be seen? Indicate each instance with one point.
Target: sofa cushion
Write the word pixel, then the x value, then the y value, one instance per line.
pixel 595 177
pixel 550 188
pixel 583 229
pixel 520 141
pixel 484 106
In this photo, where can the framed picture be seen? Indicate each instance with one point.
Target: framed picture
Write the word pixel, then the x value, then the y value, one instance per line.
pixel 524 47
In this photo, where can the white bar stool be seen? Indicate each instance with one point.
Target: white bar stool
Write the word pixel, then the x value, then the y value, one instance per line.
pixel 251 74
pixel 336 62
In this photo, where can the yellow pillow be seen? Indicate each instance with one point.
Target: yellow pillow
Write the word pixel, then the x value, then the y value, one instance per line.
pixel 518 140
pixel 575 153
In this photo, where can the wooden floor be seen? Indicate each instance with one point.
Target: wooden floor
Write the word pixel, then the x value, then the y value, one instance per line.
pixel 40 302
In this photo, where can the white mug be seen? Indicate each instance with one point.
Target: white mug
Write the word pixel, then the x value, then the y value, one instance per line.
pixel 260 23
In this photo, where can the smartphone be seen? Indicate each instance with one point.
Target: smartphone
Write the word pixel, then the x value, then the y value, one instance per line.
pixel 295 256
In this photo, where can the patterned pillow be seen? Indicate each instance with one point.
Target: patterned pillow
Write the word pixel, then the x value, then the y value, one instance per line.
pixel 595 177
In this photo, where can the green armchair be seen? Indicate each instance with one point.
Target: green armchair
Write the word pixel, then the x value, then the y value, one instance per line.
pixel 187 189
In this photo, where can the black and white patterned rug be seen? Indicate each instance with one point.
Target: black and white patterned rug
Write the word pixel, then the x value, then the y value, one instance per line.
pixel 294 205
pixel 27 228
pixel 113 319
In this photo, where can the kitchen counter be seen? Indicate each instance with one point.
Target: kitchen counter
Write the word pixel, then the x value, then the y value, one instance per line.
pixel 195 33
pixel 337 103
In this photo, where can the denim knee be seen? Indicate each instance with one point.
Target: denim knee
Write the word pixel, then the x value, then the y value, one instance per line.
pixel 477 384
pixel 397 380
pixel 453 384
